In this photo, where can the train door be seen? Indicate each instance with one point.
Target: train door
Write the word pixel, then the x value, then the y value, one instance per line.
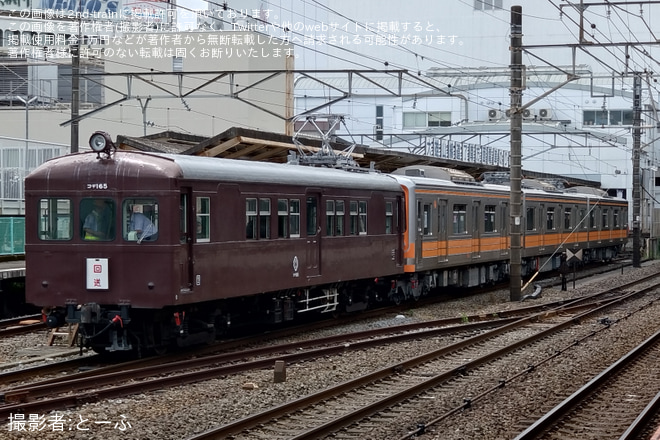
pixel 443 244
pixel 476 229
pixel 503 217
pixel 542 230
pixel 423 211
pixel 312 216
pixel 186 240
pixel 400 229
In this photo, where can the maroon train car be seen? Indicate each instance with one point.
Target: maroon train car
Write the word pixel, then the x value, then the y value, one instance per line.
pixel 145 250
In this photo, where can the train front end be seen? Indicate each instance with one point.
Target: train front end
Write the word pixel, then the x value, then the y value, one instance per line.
pixel 97 249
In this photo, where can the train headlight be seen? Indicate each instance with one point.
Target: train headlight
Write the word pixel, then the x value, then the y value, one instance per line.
pixel 100 142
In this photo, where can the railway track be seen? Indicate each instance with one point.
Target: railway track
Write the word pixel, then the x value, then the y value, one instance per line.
pixel 94 363
pixel 22 400
pixel 12 326
pixel 621 399
pixel 358 405
pixel 499 317
pixel 22 397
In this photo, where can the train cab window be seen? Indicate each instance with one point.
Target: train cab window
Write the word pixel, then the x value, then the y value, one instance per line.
pixel 567 219
pixel 606 218
pixel 264 218
pixel 282 218
pixel 550 219
pixel 459 221
pixel 389 218
pixel 55 219
pixel 489 218
pixel 294 217
pixel 140 219
pixel 203 221
pixel 330 218
pixel 530 219
pixel 251 219
pixel 97 219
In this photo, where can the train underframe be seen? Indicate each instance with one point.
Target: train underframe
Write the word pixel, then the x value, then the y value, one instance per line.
pixel 120 328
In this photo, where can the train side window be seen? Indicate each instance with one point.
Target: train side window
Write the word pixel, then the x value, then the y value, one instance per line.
pixel 341 214
pixel 362 210
pixel 203 223
pixel 426 220
pixel 55 219
pixel 459 222
pixel 606 218
pixel 251 219
pixel 530 224
pixel 353 217
pixel 330 218
pixel 294 217
pixel 183 218
pixel 312 216
pixel 140 219
pixel 489 218
pixel 615 218
pixel 582 219
pixel 282 218
pixel 567 219
pixel 389 218
pixel 550 219
pixel 98 219
pixel 592 218
pixel 264 218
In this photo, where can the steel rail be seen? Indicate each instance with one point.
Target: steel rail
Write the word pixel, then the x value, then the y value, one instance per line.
pixel 575 399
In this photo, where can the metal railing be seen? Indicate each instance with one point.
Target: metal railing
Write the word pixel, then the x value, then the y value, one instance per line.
pixel 12 235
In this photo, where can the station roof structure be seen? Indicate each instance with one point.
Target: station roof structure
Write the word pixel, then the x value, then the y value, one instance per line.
pixel 247 144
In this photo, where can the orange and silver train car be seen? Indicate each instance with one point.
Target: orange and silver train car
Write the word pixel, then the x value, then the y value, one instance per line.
pixel 458 228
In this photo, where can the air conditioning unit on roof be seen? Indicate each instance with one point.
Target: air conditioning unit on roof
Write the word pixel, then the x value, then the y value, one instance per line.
pixel 529 113
pixel 494 115
pixel 545 114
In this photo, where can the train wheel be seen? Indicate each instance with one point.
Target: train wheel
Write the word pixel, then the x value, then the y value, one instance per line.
pixel 399 296
pixel 160 350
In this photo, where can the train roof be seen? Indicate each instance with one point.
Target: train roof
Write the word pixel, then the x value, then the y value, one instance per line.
pixel 199 168
pixel 87 167
pixel 448 178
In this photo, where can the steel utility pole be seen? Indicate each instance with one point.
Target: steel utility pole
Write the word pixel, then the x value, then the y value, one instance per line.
pixel 75 95
pixel 636 171
pixel 516 151
pixel 75 83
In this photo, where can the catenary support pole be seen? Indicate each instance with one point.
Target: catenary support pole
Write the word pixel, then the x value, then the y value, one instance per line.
pixel 516 151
